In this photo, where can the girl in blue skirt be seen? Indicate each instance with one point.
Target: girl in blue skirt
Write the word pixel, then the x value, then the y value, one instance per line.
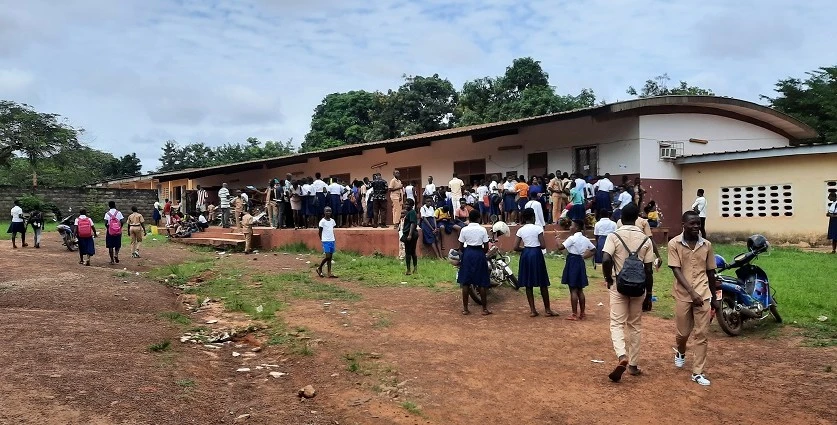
pixel 473 266
pixel 575 274
pixel 532 267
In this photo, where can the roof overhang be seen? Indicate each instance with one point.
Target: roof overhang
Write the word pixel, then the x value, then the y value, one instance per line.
pixel 758 154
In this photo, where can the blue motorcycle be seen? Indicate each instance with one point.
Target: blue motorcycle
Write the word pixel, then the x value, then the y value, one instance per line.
pixel 748 295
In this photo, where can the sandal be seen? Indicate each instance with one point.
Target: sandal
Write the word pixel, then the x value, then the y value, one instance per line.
pixel 634 370
pixel 616 375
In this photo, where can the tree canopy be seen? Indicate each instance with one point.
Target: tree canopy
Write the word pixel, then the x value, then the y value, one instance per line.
pixel 198 155
pixel 812 100
pixel 658 86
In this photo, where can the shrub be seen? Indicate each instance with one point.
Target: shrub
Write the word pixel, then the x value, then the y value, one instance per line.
pixel 31 203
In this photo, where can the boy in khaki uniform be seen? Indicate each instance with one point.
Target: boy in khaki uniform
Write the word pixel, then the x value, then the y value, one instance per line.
pixel 238 205
pixel 247 229
pixel 692 260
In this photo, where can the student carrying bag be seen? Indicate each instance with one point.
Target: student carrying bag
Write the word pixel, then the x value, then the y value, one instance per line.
pixel 631 279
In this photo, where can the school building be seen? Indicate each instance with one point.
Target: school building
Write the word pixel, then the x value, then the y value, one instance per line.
pixel 731 148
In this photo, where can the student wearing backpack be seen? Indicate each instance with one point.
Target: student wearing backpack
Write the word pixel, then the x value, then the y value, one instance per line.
pixel 629 254
pixel 578 249
pixel 85 232
pixel 113 238
pixel 692 260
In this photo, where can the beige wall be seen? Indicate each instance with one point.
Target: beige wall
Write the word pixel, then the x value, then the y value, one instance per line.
pixel 806 173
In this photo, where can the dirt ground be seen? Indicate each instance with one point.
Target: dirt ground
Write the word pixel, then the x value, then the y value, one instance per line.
pixel 77 338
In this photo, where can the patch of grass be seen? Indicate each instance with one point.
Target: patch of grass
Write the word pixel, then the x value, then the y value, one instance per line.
pixel 176 318
pixel 122 273
pixel 178 274
pixel 296 248
pixel 49 226
pixel 303 349
pixel 412 408
pixel 382 322
pixel 159 347
pixel 355 363
pixel 186 383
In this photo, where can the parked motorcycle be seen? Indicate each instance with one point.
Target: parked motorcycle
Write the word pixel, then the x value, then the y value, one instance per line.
pixel 65 230
pixel 748 295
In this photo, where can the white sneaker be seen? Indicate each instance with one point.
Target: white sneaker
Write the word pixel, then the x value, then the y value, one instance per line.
pixel 679 359
pixel 700 379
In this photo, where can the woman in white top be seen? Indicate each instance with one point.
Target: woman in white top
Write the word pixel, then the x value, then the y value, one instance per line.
pixel 575 274
pixel 532 267
pixel 17 225
pixel 604 227
pixel 427 222
pixel 410 191
pixel 832 221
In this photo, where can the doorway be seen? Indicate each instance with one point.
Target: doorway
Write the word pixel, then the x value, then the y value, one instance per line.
pixel 537 164
pixel 470 171
pixel 586 161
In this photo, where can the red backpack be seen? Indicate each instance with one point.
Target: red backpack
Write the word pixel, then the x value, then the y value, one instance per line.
pixel 85 228
pixel 114 226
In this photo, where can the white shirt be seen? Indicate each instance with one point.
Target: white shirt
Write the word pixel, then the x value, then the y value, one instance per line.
pixel 430 189
pixel 113 213
pixel 535 205
pixel 625 198
pixel 456 187
pixel 157 206
pixel 833 208
pixel 17 212
pixel 83 217
pixel 529 235
pixel 470 198
pixel 427 211
pixel 201 219
pixel 604 227
pixel 578 244
pixel 493 187
pixel 700 203
pixel 604 184
pixel 306 190
pixel 411 194
pixel 328 229
pixel 335 189
pixel 346 191
pixel 473 235
pixel 509 186
pixel 482 191
pixel 368 195
pixel 580 183
pixel 318 186
pixel 449 195
pixel 245 198
pixel 224 196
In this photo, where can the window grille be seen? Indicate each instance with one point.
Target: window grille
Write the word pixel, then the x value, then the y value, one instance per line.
pixel 770 200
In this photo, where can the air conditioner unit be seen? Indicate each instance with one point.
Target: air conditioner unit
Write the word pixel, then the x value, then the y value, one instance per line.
pixel 668 152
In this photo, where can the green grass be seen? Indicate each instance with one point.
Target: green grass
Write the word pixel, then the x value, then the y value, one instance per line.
pixel 49 226
pixel 412 408
pixel 159 347
pixel 176 318
pixel 186 383
pixel 178 274
pixel 295 248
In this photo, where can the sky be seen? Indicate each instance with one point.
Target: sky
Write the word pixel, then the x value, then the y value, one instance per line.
pixel 135 73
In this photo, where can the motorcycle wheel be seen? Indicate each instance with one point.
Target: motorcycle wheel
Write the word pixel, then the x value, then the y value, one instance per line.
pixel 775 312
pixel 729 321
pixel 513 281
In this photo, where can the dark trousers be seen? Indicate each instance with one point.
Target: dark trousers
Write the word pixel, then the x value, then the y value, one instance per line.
pixel 703 227
pixel 225 217
pixel 380 208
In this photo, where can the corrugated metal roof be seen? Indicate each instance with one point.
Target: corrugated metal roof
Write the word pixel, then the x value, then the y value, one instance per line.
pixel 810 149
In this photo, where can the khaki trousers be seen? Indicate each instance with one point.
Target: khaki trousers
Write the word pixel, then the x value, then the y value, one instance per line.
pixel 625 312
pixel 397 206
pixel 693 320
pixel 248 241
pixel 557 207
pixel 273 213
pixel 238 218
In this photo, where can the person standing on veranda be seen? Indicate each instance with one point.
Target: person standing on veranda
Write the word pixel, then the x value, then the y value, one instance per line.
pixel 430 189
pixel 556 189
pixel 396 196
pixel 224 203
pixel 699 206
pixel 626 311
pixel 271 199
pixel 239 204
pixel 455 185
pixel 379 200
pixel 202 201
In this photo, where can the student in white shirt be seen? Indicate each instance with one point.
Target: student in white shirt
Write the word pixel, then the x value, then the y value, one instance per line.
pixel 17 225
pixel 473 265
pixel 537 209
pixel 427 222
pixel 318 190
pixel 532 271
pixel 113 242
pixel 699 206
pixel 430 189
pixel 335 191
pixel 575 273
pixel 622 200
pixel 509 206
pixel 832 221
pixel 326 231
pixel 604 227
pixel 410 191
pixel 455 185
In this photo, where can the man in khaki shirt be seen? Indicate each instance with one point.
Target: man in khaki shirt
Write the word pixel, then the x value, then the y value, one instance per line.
pixel 692 260
pixel 247 229
pixel 626 311
pixel 643 225
pixel 396 195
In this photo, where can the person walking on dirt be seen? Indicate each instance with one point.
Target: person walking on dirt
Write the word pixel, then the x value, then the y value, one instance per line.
pixel 532 267
pixel 692 260
pixel 574 276
pixel 136 229
pixel 18 225
pixel 36 220
pixel 224 203
pixel 326 232
pixel 625 310
pixel 113 236
pixel 473 266
pixel 85 232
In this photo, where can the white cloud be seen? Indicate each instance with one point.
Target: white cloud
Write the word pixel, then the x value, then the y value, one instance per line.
pixel 135 73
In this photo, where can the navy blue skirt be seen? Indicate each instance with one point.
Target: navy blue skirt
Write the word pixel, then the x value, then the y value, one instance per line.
pixel 617 214
pixel 600 241
pixel 603 201
pixel 427 230
pixel 370 213
pixel 320 205
pixel 156 215
pixel 508 203
pixel 306 205
pixel 531 270
pixel 577 213
pixel 575 272
pixel 17 227
pixel 832 228
pixel 112 241
pixel 335 203
pixel 473 268
pixel 86 246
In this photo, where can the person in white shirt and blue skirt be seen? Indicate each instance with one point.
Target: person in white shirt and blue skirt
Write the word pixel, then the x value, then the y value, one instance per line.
pixel 832 221
pixel 532 267
pixel 575 273
pixel 473 266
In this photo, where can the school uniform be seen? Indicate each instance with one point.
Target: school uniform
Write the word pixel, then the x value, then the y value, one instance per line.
pixel 494 198
pixel 538 208
pixel 346 207
pixel 473 266
pixel 603 188
pixel 247 229
pixel 370 211
pixel 328 235
pixel 604 227
pixel 113 241
pixel 832 222
pixel 319 197
pixel 17 225
pixel 307 202
pixel 508 198
pixel 334 201
pixel 575 271
pixel 156 213
pixel 577 211
pixel 532 271
pixel 428 224
pixel 86 246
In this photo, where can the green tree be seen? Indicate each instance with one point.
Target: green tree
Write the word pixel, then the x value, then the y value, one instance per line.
pixel 172 157
pixel 658 86
pixel 341 118
pixel 36 136
pixel 422 104
pixel 812 101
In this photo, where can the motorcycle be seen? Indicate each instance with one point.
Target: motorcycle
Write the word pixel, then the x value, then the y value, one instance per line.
pixel 748 295
pixel 65 230
pixel 499 270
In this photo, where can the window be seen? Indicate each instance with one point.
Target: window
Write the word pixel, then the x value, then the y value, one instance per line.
pixel 470 171
pixel 410 174
pixel 342 177
pixel 830 187
pixel 537 164
pixel 587 161
pixel 773 200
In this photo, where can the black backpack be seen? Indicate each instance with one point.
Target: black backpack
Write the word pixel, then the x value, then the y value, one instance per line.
pixel 631 279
